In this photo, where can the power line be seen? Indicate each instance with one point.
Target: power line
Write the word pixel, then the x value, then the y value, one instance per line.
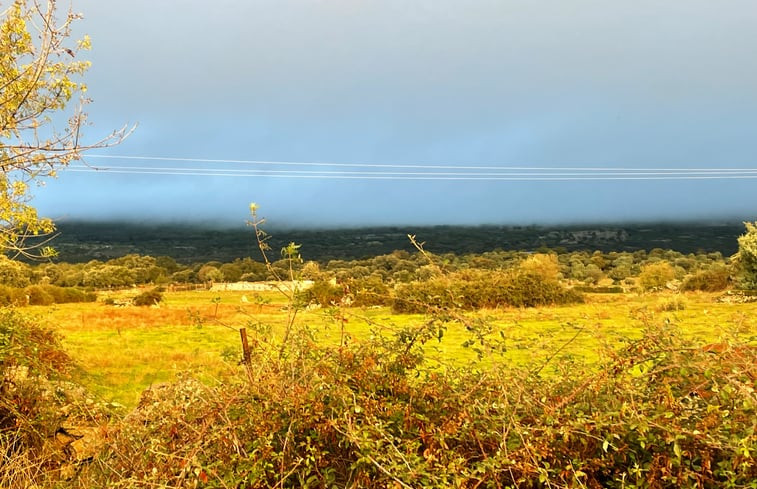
pixel 410 166
pixel 357 171
pixel 400 176
pixel 234 171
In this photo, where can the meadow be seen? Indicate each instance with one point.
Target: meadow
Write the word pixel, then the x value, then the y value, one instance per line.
pixel 633 389
pixel 121 351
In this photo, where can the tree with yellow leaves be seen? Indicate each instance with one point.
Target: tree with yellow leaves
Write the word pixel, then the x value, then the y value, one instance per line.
pixel 746 258
pixel 40 79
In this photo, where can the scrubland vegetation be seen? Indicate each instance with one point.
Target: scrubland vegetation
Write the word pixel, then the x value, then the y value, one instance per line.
pixel 506 369
pixel 622 269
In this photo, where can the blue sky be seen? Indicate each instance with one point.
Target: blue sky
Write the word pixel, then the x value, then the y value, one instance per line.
pixel 586 83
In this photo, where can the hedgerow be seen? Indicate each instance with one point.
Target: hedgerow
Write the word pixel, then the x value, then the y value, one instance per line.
pixel 37 398
pixel 471 290
pixel 43 295
pixel 658 412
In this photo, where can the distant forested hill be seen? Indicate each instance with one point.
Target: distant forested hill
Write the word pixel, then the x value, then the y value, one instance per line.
pixel 84 241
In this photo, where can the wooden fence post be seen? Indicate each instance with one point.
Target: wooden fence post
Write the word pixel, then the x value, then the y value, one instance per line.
pixel 246 355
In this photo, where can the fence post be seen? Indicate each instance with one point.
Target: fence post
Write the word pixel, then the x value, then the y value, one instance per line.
pixel 246 355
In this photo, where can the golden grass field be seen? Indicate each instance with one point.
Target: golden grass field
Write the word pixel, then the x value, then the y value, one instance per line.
pixel 120 351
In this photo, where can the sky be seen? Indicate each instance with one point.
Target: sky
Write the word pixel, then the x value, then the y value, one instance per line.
pixel 446 86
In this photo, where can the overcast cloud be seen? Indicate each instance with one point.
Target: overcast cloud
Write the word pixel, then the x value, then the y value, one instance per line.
pixel 640 84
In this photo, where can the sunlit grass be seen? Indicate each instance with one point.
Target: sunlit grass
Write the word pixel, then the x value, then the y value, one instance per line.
pixel 123 350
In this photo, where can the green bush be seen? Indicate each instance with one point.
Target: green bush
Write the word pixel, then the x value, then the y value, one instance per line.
pixel 10 296
pixel 14 273
pixel 476 289
pixel 323 293
pixel 713 279
pixel 676 303
pixel 358 292
pixel 38 296
pixel 369 291
pixel 64 295
pixel 6 295
pixel 655 276
pixel 70 294
pixel 24 343
pixel 43 295
pixel 531 290
pixel 148 298
pixel 420 297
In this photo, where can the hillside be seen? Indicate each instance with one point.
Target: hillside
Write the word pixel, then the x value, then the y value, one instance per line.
pixel 84 241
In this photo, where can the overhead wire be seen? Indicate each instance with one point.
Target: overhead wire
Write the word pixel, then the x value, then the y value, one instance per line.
pixel 233 171
pixel 380 171
pixel 474 177
pixel 397 165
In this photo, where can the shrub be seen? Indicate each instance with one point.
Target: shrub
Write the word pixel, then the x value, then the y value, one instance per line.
pixel 420 297
pixel 10 296
pixel 593 274
pixel 35 400
pixel 544 266
pixel 24 343
pixel 746 258
pixel 71 294
pixel 476 289
pixel 323 293
pixel 654 276
pixel 38 296
pixel 713 279
pixel 44 295
pixel 369 291
pixel 148 298
pixel 209 273
pixel 527 289
pixel 109 276
pixel 6 295
pixel 676 303
pixel 13 273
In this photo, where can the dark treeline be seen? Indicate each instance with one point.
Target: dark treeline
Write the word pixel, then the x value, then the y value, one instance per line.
pixel 82 241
